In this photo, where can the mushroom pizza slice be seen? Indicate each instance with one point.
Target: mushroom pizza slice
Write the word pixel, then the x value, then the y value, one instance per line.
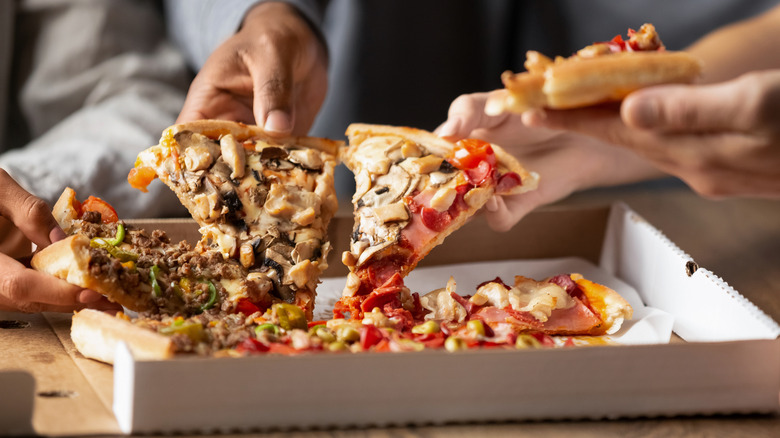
pixel 413 189
pixel 263 201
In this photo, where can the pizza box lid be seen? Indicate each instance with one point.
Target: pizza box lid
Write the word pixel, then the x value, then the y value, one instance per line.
pixel 719 369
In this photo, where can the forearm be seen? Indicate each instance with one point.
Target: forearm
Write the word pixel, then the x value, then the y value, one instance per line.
pixel 736 49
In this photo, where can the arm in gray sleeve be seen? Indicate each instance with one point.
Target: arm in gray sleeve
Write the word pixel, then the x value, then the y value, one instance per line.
pixel 105 85
pixel 199 26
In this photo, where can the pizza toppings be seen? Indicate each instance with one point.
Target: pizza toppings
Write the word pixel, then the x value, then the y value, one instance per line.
pixel 496 316
pixel 413 189
pixel 261 201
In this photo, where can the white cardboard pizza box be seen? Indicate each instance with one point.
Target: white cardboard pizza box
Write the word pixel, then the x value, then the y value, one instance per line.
pixel 717 369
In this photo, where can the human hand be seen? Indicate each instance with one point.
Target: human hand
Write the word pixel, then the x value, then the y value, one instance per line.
pixel 272 73
pixel 566 162
pixel 25 218
pixel 721 139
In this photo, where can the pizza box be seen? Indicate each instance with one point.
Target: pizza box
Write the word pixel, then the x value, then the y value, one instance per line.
pixel 704 367
pixel 707 368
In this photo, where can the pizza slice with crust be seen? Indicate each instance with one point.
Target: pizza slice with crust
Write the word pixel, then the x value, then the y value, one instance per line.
pixel 263 201
pixel 414 188
pixel 144 271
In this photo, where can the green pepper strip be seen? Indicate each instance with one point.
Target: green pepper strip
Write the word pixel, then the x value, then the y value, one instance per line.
pixel 273 328
pixel 212 297
pixel 153 273
pixel 120 235
pixel 122 255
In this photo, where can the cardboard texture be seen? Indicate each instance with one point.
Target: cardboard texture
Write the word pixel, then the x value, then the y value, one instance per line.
pixel 716 368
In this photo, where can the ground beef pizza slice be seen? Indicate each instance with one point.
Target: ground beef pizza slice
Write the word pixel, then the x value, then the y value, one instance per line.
pixel 145 271
pixel 263 201
pixel 413 189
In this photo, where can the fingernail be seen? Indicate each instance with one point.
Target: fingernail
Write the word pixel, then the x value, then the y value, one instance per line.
pixel 449 128
pixel 534 117
pixel 87 296
pixel 56 234
pixel 278 122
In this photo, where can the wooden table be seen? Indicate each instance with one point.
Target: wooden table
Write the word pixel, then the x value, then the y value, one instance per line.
pixel 737 239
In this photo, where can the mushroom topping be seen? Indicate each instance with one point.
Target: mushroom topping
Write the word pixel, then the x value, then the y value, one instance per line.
pixel 307 250
pixel 234 155
pixel 194 180
pixel 387 188
pixel 307 158
pixel 273 153
pixel 438 178
pixel 371 250
pixel 199 150
pixel 362 184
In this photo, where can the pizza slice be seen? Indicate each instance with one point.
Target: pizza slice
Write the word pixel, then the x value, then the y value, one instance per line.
pixel 263 201
pixel 566 304
pixel 413 189
pixel 602 72
pixel 144 271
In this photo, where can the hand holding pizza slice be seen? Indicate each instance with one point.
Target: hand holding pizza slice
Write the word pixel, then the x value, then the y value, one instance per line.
pixel 602 72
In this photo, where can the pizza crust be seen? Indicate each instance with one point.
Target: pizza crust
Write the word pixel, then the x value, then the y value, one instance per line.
pixel 580 82
pixel 218 128
pixel 96 335
pixel 68 259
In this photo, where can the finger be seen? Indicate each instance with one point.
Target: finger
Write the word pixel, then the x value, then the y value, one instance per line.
pixel 686 108
pixel 272 83
pixel 221 90
pixel 506 211
pixel 26 286
pixel 466 114
pixel 29 213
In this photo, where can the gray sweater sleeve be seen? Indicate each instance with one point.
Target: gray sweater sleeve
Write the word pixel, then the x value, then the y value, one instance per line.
pixel 199 26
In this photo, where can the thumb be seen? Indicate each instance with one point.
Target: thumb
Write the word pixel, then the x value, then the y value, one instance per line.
pixel 272 83
pixel 688 108
pixel 27 212
pixel 467 114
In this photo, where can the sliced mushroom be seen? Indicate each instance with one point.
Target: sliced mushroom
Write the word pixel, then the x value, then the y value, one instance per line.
pixel 306 250
pixel 306 158
pixel 273 153
pixel 388 188
pixel 234 155
pixel 438 178
pixel 393 152
pixel 194 180
pixel 371 250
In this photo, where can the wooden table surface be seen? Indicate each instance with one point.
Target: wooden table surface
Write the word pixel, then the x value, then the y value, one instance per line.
pixel 737 239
